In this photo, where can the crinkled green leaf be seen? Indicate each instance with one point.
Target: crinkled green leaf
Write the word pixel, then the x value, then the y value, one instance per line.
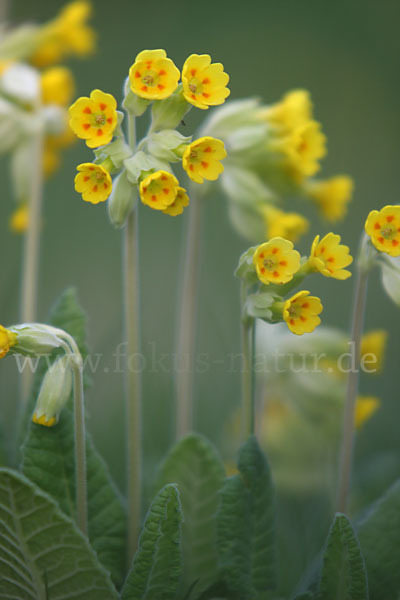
pixel 157 564
pixel 49 461
pixel 42 553
pixel 343 574
pixel 194 465
pixel 379 535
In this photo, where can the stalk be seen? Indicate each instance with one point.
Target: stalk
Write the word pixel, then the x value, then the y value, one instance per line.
pixel 248 343
pixel 80 449
pixel 132 378
pixel 187 318
pixel 348 431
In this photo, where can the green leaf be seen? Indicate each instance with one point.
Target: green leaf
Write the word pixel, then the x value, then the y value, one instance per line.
pixel 49 461
pixel 343 574
pixel 42 553
pixel 379 535
pixel 246 524
pixel 194 465
pixel 157 564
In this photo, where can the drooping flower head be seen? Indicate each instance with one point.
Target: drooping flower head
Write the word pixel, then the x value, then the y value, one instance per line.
pixel 330 257
pixel 383 227
pixel 58 86
pixel 8 339
pixel 201 159
pixel 94 119
pixel 153 76
pixel 204 83
pixel 93 182
pixel 290 226
pixel 180 202
pixel 331 196
pixel 276 261
pixel 159 190
pixel 301 312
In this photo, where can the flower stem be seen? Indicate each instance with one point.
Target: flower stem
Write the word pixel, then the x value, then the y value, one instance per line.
pixel 248 343
pixel 187 319
pixel 80 448
pixel 133 378
pixel 348 430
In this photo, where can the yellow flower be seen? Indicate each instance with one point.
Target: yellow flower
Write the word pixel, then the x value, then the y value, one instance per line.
pixel 58 86
pixel 153 75
pixel 201 159
pixel 331 196
pixel 276 261
pixel 329 257
pixel 303 148
pixel 43 420
pixel 290 226
pixel 366 406
pixel 19 219
pixel 374 342
pixel 67 34
pixel 293 110
pixel 180 202
pixel 159 190
pixel 383 227
pixel 301 312
pixel 8 339
pixel 93 182
pixel 204 83
pixel 94 119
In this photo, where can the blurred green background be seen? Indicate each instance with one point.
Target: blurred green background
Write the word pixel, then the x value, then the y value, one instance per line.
pixel 347 54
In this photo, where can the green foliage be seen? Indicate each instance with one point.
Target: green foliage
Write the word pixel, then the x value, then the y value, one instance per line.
pixel 195 467
pixel 43 554
pixel 48 461
pixel 379 535
pixel 157 565
pixel 246 524
pixel 343 574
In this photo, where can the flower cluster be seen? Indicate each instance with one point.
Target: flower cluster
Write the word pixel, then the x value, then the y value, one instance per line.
pixel 153 80
pixel 279 268
pixel 274 154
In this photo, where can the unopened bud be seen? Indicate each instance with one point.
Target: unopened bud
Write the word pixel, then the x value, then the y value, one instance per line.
pixel 122 199
pixel 54 392
pixel 35 339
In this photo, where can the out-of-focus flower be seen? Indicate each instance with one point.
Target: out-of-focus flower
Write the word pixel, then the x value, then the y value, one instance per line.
pixel 93 182
pixel 159 190
pixel 153 76
pixel 58 86
pixel 180 202
pixel 383 227
pixel 8 339
pixel 301 312
pixel 201 159
pixel 366 406
pixel 330 257
pixel 19 219
pixel 293 110
pixel 331 196
pixel 276 261
pixel 290 226
pixel 204 83
pixel 373 344
pixel 303 149
pixel 94 119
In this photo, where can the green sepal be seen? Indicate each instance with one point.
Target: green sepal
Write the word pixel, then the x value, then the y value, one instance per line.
pixel 166 144
pixel 116 151
pixel 141 164
pixel 123 199
pixel 168 113
pixel 259 306
pixel 133 104
pixel 246 269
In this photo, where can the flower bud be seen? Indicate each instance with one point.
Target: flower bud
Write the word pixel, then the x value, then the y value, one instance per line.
pixel 168 113
pixel 122 200
pixel 35 339
pixel 54 392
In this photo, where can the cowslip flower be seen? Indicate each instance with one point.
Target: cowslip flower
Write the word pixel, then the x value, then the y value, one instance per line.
pixel 290 226
pixel 293 110
pixel 159 190
pixel 180 202
pixel 331 196
pixel 366 406
pixel 8 339
pixel 153 76
pixel 204 83
pixel 373 345
pixel 303 149
pixel 276 261
pixel 57 85
pixel 383 227
pixel 301 312
pixel 201 159
pixel 93 182
pixel 19 219
pixel 94 119
pixel 330 257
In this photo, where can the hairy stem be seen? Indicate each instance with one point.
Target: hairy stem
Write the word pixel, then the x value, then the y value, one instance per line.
pixel 80 449
pixel 187 319
pixel 133 378
pixel 248 342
